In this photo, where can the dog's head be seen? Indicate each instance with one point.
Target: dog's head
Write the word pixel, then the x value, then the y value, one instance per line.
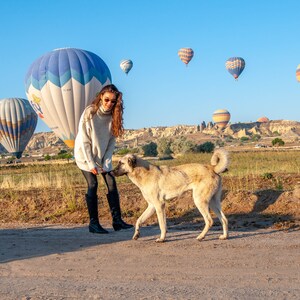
pixel 125 165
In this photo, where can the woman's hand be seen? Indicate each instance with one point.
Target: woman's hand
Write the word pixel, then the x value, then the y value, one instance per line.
pixel 95 171
pixel 98 170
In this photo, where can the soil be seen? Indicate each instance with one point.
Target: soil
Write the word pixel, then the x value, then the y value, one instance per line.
pixel 67 262
pixel 47 253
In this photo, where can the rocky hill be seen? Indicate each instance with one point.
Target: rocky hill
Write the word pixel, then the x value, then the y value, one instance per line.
pixel 48 142
pixel 284 128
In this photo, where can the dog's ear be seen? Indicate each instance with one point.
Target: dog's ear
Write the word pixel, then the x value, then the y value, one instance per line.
pixel 132 161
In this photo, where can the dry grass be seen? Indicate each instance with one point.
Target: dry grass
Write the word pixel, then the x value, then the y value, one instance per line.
pixel 243 167
pixel 258 184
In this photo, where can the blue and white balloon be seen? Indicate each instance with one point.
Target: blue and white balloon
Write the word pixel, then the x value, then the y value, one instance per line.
pixel 61 83
pixel 126 65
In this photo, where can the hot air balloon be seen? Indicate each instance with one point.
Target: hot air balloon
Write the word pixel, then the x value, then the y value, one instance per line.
pixel 221 117
pixel 235 66
pixel 17 123
pixel 186 54
pixel 126 65
pixel 263 120
pixel 61 83
pixel 298 73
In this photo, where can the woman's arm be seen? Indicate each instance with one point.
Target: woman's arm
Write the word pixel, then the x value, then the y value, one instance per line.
pixel 107 158
pixel 85 142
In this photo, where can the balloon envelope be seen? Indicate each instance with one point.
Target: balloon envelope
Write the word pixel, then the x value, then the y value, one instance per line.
pixel 17 123
pixel 235 66
pixel 186 54
pixel 263 120
pixel 61 83
pixel 221 117
pixel 298 73
pixel 126 65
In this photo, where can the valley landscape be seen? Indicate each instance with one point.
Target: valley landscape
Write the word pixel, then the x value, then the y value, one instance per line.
pixel 184 79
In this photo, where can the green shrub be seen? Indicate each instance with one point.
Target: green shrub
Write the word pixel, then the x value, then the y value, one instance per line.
pixel 244 139
pixel 256 137
pixel 47 157
pixel 122 151
pixel 278 184
pixel 207 147
pixel 277 142
pixel 150 149
pixel 267 176
pixel 182 145
pixel 228 139
pixel 220 143
pixel 164 148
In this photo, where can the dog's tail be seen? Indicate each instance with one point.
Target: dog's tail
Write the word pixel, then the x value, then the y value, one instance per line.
pixel 220 161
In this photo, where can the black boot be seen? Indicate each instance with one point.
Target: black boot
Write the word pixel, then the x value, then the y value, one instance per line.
pixel 114 204
pixel 92 205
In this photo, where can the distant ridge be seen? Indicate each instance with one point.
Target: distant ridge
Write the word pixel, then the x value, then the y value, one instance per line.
pixel 285 128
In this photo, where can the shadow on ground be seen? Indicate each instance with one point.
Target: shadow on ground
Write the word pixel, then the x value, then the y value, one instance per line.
pixel 257 214
pixel 24 243
pixel 20 243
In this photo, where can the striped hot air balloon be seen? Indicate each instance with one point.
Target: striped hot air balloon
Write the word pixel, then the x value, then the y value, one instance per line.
pixel 298 73
pixel 235 66
pixel 221 117
pixel 126 65
pixel 186 54
pixel 59 86
pixel 17 123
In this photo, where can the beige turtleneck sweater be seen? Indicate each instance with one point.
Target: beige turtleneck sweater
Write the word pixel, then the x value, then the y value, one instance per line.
pixel 94 143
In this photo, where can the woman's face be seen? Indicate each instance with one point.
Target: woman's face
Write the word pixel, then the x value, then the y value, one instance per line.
pixel 108 100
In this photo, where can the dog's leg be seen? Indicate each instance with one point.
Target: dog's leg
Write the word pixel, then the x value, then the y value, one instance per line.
pixel 201 200
pixel 144 216
pixel 204 210
pixel 215 205
pixel 161 216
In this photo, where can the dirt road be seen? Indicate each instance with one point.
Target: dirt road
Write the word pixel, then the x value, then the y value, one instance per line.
pixel 60 262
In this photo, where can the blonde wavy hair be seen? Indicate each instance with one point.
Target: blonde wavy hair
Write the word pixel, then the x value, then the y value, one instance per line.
pixel 117 110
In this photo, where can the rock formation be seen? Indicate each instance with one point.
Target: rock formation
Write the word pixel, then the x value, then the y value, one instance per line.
pixel 137 137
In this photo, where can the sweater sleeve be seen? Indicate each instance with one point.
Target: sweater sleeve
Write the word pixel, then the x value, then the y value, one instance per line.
pixel 86 142
pixel 107 158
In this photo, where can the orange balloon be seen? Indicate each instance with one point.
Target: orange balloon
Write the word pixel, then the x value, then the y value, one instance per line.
pixel 221 117
pixel 263 120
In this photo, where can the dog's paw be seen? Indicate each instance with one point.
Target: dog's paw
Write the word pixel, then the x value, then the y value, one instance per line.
pixel 200 238
pixel 136 236
pixel 159 240
pixel 223 237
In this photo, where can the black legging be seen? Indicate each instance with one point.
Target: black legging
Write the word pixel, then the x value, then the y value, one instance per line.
pixel 92 182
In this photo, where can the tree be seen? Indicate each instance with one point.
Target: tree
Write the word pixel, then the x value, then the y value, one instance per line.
pixel 244 139
pixel 256 137
pixel 164 148
pixel 277 142
pixel 150 149
pixel 47 157
pixel 206 147
pixel 182 145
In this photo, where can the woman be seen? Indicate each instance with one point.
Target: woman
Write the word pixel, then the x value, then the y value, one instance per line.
pixel 100 124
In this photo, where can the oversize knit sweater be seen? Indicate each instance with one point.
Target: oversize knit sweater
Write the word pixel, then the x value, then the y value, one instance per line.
pixel 94 143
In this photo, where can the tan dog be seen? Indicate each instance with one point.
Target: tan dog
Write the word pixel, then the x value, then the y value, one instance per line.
pixel 160 183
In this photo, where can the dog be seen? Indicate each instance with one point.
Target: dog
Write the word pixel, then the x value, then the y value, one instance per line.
pixel 161 183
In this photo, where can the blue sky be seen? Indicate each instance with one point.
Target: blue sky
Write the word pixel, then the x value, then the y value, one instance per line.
pixel 160 90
